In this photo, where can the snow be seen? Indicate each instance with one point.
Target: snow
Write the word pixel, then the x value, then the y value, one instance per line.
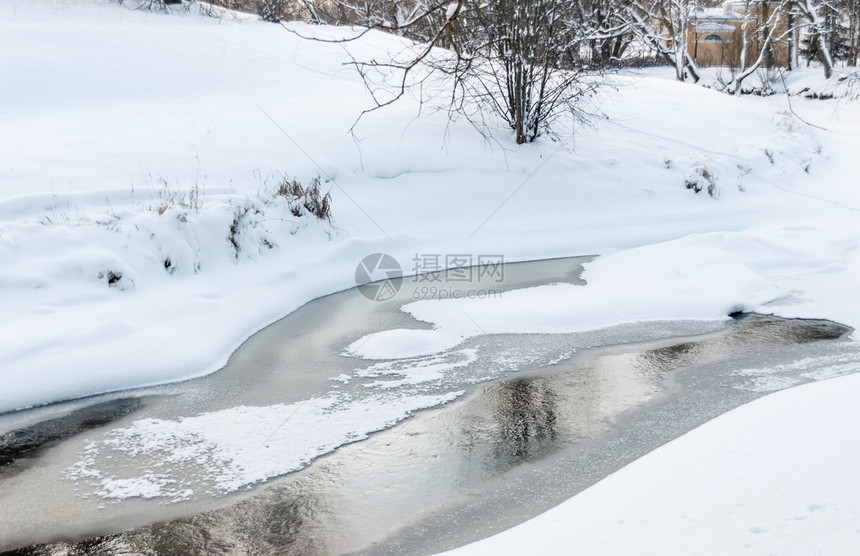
pixel 142 241
pixel 613 296
pixel 766 478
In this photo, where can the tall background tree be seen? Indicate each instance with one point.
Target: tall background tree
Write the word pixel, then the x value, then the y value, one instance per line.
pixel 665 27
pixel 852 11
pixel 764 24
pixel 820 28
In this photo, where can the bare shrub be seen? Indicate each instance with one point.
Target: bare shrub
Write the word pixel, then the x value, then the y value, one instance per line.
pixel 150 5
pixel 167 197
pixel 304 199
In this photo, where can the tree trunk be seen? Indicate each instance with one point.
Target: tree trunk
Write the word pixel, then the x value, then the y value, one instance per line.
pixel 824 55
pixel 819 29
pixel 793 44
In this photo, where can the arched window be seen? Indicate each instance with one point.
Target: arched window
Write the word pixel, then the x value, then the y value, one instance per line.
pixel 713 37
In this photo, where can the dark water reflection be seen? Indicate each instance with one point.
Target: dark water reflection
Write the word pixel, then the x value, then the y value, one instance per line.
pixel 28 442
pixel 526 415
pixel 448 476
pixel 751 334
pixel 277 523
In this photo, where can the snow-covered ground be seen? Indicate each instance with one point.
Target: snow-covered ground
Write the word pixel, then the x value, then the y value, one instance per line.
pixel 142 238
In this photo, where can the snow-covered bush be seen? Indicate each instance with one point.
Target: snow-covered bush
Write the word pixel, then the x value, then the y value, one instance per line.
pixel 702 179
pixel 166 231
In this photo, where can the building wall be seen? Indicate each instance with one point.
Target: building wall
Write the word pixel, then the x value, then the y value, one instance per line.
pixel 727 51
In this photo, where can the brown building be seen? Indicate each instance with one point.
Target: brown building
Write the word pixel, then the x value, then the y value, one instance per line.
pixel 716 36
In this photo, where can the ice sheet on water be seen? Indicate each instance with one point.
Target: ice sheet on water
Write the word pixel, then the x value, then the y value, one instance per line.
pixel 218 452
pixel 223 451
pixel 779 377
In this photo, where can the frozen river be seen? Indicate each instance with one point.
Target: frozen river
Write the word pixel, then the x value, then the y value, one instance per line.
pixel 297 447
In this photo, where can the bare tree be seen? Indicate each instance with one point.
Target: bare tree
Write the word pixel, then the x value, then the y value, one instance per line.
pixel 273 10
pixel 764 23
pixel 150 5
pixel 517 59
pixel 852 9
pixel 665 26
pixel 520 59
pixel 813 11
pixel 610 34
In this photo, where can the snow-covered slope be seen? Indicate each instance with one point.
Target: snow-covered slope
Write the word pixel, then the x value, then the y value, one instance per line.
pixel 114 275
